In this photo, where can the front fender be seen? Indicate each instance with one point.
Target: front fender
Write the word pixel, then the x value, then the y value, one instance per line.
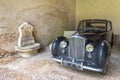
pixel 103 52
pixel 55 49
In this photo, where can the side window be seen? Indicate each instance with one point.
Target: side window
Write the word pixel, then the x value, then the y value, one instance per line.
pixel 109 26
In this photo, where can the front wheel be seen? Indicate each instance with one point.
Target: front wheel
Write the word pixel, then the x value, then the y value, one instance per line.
pixel 105 68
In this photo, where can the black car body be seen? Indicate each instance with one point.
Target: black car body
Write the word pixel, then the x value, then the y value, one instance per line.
pixel 88 48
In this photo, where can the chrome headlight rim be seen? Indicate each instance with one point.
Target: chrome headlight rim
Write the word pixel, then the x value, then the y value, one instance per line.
pixel 63 44
pixel 89 48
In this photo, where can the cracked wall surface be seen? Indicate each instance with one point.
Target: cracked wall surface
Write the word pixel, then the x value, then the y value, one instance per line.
pixel 49 18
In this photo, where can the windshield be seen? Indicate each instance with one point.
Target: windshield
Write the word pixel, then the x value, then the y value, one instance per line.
pixel 93 26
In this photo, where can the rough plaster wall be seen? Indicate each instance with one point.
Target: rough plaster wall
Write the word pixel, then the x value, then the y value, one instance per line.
pixel 105 9
pixel 49 18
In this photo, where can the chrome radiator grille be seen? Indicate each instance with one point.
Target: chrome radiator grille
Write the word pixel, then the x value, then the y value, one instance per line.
pixel 76 48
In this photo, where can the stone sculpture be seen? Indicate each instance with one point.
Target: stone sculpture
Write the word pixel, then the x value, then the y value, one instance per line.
pixel 26 43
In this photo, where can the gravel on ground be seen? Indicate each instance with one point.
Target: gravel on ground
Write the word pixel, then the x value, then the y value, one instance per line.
pixel 42 67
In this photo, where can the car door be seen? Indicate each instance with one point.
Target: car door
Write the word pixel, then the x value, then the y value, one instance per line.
pixel 109 31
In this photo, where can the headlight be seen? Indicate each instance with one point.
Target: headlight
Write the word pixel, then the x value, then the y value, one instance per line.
pixel 89 48
pixel 63 44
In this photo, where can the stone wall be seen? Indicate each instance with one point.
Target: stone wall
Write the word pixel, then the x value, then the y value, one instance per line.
pixel 49 18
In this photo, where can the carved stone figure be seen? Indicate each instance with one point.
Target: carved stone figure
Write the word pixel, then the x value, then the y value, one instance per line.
pixel 26 43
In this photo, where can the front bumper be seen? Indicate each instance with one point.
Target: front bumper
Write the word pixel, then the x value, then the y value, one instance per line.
pixel 78 64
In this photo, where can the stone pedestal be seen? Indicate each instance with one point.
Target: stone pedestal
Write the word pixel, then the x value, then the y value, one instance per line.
pixel 26 43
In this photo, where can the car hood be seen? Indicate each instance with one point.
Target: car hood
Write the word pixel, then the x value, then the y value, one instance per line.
pixel 92 36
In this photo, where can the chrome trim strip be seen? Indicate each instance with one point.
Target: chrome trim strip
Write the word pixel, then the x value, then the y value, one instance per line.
pixel 93 69
pixel 83 67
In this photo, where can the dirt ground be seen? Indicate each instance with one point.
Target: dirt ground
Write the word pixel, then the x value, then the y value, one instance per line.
pixel 42 67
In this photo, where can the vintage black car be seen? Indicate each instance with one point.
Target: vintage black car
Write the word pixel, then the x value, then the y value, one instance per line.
pixel 89 48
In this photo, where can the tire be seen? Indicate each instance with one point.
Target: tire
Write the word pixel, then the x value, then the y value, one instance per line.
pixel 112 41
pixel 105 68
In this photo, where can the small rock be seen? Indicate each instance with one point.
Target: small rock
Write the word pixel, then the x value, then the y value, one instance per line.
pixel 3 53
pixel 1 56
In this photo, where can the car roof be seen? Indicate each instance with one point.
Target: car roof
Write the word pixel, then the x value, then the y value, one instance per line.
pixel 95 20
